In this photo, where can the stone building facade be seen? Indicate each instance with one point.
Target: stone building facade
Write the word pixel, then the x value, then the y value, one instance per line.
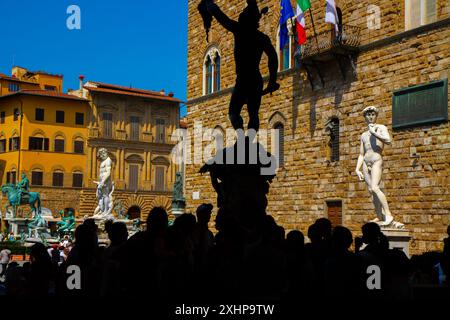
pixel 399 46
pixel 135 127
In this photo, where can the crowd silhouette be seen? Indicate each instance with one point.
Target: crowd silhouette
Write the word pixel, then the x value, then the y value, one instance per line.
pixel 186 262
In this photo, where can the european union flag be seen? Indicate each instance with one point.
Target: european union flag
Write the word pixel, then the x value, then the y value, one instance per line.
pixel 286 14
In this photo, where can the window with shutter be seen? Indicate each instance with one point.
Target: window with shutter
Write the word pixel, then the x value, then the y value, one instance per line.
pixel 160 183
pixel 334 139
pixel 2 145
pixel 11 177
pixel 39 114
pixel 60 116
pixel 58 179
pixel 420 105
pixel 133 182
pixel 38 144
pixel 217 73
pixel 107 125
pixel 37 178
pixel 2 117
pixel 134 126
pixel 209 76
pixel 14 144
pixel 160 130
pixel 279 127
pixel 59 145
pixel 78 147
pixel 79 118
pixel 77 180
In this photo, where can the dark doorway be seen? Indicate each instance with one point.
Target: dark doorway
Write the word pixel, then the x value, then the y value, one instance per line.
pixel 134 212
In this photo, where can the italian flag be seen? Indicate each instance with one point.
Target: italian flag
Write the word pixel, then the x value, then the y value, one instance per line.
pixel 302 6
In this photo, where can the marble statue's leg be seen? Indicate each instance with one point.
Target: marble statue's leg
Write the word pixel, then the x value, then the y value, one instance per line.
pixel 376 179
pixel 376 202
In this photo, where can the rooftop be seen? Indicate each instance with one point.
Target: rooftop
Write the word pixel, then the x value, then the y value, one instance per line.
pixel 44 93
pixel 115 89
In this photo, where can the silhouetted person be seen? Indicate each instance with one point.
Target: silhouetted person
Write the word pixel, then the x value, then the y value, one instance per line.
pixel 85 254
pixel 142 257
pixel 342 268
pixel 299 267
pixel 178 265
pixel 40 272
pixel 319 249
pixel 112 278
pixel 203 237
pixel 249 45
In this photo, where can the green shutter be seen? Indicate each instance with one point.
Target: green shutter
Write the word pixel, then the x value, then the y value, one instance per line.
pixel 419 105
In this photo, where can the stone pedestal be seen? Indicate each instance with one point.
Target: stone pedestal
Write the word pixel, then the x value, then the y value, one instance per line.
pixel 398 239
pixel 241 176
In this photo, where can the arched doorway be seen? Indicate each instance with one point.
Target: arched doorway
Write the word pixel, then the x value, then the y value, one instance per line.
pixel 134 212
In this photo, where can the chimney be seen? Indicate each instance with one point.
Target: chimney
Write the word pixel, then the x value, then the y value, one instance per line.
pixel 162 92
pixel 171 94
pixel 81 77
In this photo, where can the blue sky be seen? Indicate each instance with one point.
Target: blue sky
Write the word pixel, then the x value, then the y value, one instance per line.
pixel 142 43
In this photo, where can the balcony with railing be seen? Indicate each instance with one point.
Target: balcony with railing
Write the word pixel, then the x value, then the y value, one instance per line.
pixel 341 46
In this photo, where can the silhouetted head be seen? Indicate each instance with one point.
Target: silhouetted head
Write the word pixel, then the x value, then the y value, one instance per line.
pixel 342 238
pixel 371 233
pixel 39 254
pixel 118 233
pixel 184 224
pixel 295 240
pixel 204 213
pixel 448 231
pixel 313 233
pixel 157 220
pixel 91 224
pixel 85 236
pixel 249 18
pixel 324 228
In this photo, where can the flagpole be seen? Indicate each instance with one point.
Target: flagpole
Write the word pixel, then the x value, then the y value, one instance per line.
pixel 314 28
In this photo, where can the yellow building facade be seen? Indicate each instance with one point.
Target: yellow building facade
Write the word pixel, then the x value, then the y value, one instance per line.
pixel 54 137
pixel 43 134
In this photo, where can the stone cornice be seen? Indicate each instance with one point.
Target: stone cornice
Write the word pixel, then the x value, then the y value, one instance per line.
pixel 126 144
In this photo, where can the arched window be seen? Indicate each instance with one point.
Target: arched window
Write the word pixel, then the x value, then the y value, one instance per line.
pixel 279 134
pixel 58 178
pixel 2 143
pixel 332 128
pixel 217 73
pixel 211 71
pixel 38 141
pixel 78 145
pixel 37 177
pixel 77 179
pixel 59 144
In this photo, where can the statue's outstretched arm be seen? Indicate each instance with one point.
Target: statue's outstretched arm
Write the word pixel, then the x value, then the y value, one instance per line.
pixel 272 56
pixel 221 17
